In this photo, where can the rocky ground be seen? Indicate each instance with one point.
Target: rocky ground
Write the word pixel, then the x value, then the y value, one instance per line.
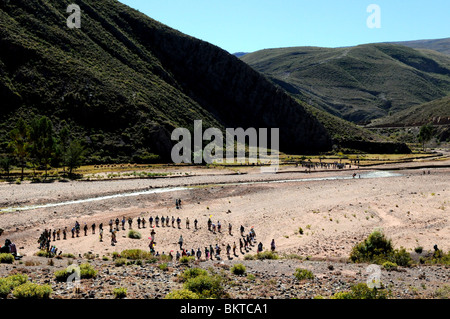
pixel 308 216
pixel 267 279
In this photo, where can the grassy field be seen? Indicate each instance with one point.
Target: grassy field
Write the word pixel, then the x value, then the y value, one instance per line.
pixel 128 171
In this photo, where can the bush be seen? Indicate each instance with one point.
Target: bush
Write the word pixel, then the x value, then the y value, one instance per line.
pixel 401 257
pixel 389 265
pixel 87 271
pixel 182 294
pixel 262 255
pixel 31 290
pixel 187 259
pixel 5 288
pixel 343 295
pixel 192 273
pixel 120 292
pixel 372 249
pixel 163 267
pixel 6 258
pixel 438 257
pixel 120 262
pixel 9 283
pixel 134 234
pixel 238 269
pixel 266 255
pixel 378 249
pixel 362 291
pixel 206 286
pixel 89 256
pixel 442 292
pixel 302 274
pixel 115 255
pixel 418 249
pixel 62 275
pixel 134 254
pixel 43 253
pixel 68 255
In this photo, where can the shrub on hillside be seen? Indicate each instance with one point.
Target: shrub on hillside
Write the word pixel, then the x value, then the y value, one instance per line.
pixel 192 273
pixel 86 272
pixel 120 292
pixel 362 291
pixel 262 255
pixel 43 253
pixel 9 283
pixel 6 258
pixel 206 286
pixel 373 248
pixel 389 266
pixel 376 248
pixel 439 257
pixel 442 292
pixel 400 257
pixel 187 259
pixel 62 275
pixel 31 290
pixel 120 262
pixel 135 254
pixel 134 234
pixel 238 269
pixel 302 274
pixel 182 294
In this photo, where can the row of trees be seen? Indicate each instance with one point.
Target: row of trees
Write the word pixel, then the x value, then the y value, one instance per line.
pixel 38 145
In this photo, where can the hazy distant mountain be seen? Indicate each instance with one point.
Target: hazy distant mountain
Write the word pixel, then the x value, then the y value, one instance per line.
pixel 436 112
pixel 440 45
pixel 359 83
pixel 240 54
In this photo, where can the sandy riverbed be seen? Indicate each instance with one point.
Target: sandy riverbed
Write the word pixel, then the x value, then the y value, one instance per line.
pixel 412 209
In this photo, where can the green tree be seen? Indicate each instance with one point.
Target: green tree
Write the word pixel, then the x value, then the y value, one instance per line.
pixel 43 144
pixel 64 142
pixel 75 155
pixel 20 143
pixel 5 165
pixel 425 134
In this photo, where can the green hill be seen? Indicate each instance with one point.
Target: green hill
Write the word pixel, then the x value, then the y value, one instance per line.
pixel 439 45
pixel 359 83
pixel 124 81
pixel 436 112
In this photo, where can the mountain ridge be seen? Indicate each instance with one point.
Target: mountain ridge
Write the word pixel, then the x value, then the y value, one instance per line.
pixel 124 81
pixel 358 83
pixel 441 45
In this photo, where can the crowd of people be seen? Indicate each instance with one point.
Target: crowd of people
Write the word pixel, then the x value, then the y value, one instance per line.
pixel 245 242
pixel 211 252
pixel 323 165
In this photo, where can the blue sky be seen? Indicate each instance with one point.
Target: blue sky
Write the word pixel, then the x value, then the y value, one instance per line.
pixel 251 25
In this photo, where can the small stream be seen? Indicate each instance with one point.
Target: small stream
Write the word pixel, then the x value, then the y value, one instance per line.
pixel 374 174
